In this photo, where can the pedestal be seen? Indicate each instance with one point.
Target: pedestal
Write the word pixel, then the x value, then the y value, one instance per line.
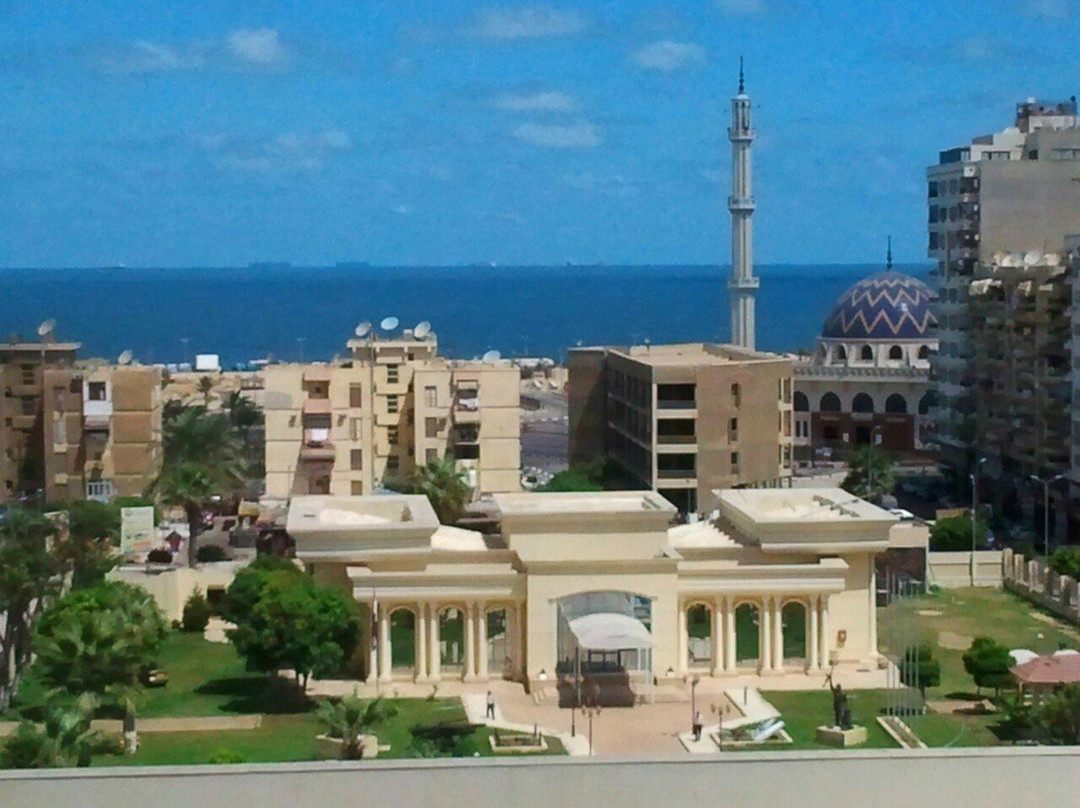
pixel 841 738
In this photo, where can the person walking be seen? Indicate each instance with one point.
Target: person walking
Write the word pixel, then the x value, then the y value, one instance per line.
pixel 697 727
pixel 491 705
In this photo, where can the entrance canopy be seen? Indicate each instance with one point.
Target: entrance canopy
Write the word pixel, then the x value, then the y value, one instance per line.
pixel 608 631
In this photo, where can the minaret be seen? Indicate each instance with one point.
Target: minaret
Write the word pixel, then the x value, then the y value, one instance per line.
pixel 743 284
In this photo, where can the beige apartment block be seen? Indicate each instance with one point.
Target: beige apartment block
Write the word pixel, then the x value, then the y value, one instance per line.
pixel 684 420
pixel 1013 193
pixel 781 583
pixel 347 427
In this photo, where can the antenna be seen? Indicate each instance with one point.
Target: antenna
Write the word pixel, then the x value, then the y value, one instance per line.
pixel 388 323
pixel 423 328
pixel 125 358
pixel 491 356
pixel 363 329
pixel 46 327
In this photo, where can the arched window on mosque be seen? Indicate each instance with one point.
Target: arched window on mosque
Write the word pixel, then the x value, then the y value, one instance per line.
pixel 866 354
pixel 896 352
pixel 896 404
pixel 830 402
pixel 862 403
pixel 801 402
pixel 924 352
pixel 841 353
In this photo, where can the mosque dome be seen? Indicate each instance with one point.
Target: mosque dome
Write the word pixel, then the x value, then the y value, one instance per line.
pixel 886 306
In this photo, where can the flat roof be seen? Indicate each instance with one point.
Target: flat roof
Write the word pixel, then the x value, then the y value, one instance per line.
pixel 687 353
pixel 590 502
pixel 40 346
pixel 360 512
pixel 803 505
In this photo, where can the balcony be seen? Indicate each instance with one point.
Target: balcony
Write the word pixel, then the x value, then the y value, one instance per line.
pixel 676 440
pixel 466 409
pixel 317 445
pixel 464 436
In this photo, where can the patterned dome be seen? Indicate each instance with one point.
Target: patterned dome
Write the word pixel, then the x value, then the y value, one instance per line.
pixel 886 306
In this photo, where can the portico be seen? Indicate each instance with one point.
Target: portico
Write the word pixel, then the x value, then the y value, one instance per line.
pixel 778 582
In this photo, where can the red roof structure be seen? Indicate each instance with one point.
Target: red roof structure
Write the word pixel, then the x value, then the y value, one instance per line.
pixel 1059 668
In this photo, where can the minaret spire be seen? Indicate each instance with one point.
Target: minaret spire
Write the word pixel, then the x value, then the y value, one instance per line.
pixel 888 254
pixel 743 285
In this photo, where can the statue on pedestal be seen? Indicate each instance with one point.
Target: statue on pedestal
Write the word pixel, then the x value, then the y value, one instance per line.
pixel 840 706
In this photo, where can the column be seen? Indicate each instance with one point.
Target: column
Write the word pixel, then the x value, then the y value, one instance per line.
pixel 778 635
pixel 680 668
pixel 384 645
pixel 434 655
pixel 520 641
pixel 719 647
pixel 421 642
pixel 470 642
pixel 872 633
pixel 371 635
pixel 823 651
pixel 765 635
pixel 812 640
pixel 481 642
pixel 730 662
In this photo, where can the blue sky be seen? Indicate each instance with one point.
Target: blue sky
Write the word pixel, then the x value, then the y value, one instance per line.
pixel 220 133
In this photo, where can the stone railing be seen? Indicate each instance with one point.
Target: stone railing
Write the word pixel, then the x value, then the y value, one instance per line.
pixel 952 570
pixel 1038 583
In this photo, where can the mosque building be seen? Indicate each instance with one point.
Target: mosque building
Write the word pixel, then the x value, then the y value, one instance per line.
pixel 868 380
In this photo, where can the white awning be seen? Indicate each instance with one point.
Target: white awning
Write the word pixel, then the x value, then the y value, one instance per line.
pixel 608 631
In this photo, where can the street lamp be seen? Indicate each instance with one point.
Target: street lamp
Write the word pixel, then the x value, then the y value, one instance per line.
pixel 1046 508
pixel 591 712
pixel 870 463
pixel 693 700
pixel 974 511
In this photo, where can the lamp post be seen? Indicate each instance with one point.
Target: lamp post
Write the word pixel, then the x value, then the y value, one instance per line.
pixel 693 700
pixel 590 713
pixel 870 463
pixel 974 512
pixel 1046 509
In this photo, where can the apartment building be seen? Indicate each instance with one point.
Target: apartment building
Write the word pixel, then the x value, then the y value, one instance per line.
pixel 999 211
pixel 1072 252
pixel 684 420
pixel 76 429
pixel 347 427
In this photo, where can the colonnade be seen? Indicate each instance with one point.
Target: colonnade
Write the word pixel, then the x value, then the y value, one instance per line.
pixel 724 633
pixel 427 662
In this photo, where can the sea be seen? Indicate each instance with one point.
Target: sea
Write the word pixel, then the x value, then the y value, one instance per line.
pixel 283 312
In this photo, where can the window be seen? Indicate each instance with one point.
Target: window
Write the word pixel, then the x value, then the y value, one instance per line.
pixel 356 395
pixel 356 459
pixel 830 402
pixel 392 435
pixel 95 391
pixel 735 462
pixel 733 429
pixel 391 404
pixel 431 455
pixel 862 403
pixel 866 353
pixel 896 404
pixel 27 374
pixel 736 395
pixel 356 488
pixel 431 396
pixel 431 427
pixel 841 353
pixel 392 375
pixel 392 464
pixel 924 351
pixel 354 428
pixel 802 403
pixel 896 352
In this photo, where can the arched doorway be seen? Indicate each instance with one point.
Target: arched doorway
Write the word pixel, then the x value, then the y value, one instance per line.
pixel 793 618
pixel 403 640
pixel 747 635
pixel 452 639
pixel 699 645
pixel 498 641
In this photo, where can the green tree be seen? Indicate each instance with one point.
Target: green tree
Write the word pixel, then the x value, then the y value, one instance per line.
pixel 93 535
pixel 919 668
pixel 63 739
pixel 350 718
pixel 205 387
pixel 197 613
pixel 1056 718
pixel 870 474
pixel 246 418
pixel 246 588
pixel 445 487
pixel 987 662
pixel 295 623
pixel 29 578
pixel 954 534
pixel 1066 561
pixel 203 459
pixel 596 475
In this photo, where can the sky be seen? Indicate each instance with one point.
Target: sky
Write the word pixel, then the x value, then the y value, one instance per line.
pixel 401 132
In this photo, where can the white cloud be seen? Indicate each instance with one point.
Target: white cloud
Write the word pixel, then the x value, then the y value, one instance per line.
pixel 1048 9
pixel 607 184
pixel 152 57
pixel 526 23
pixel 980 49
pixel 574 136
pixel 260 46
pixel 548 101
pixel 402 210
pixel 667 56
pixel 742 8
pixel 286 153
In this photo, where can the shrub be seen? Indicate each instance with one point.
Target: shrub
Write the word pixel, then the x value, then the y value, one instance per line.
pixel 226 756
pixel 159 555
pixel 988 663
pixel 196 612
pixel 954 534
pixel 1066 561
pixel 209 553
pixel 919 668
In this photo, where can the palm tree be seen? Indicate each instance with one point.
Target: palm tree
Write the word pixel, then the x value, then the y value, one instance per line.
pixel 205 388
pixel 350 719
pixel 203 459
pixel 870 474
pixel 446 488
pixel 63 739
pixel 246 416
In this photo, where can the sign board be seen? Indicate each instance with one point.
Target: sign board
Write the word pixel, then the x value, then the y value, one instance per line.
pixel 137 530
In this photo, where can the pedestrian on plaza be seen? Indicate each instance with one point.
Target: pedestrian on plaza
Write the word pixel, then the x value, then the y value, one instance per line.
pixel 491 705
pixel 698 722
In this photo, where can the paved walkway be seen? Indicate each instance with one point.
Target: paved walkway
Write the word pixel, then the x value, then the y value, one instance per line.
pixel 208 723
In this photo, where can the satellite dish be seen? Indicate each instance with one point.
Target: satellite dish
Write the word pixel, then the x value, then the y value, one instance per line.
pixel 1032 257
pixel 363 329
pixel 46 328
pixel 388 323
pixel 124 358
pixel 491 356
pixel 422 329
